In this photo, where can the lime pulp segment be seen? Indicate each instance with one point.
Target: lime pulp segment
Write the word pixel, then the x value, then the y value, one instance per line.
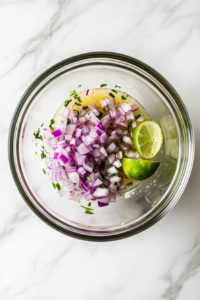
pixel 148 139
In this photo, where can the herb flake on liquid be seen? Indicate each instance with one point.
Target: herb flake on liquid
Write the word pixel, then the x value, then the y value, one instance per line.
pixel 111 95
pixel 67 102
pixel 137 117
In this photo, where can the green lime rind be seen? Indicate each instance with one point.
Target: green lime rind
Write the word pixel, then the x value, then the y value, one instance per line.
pixel 139 169
pixel 148 139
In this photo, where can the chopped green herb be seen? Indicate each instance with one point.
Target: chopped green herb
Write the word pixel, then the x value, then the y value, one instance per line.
pixel 117 86
pixel 54 185
pixel 43 155
pixel 100 177
pixel 130 183
pixel 89 179
pixel 36 144
pixel 117 188
pixel 63 167
pixel 88 212
pixel 44 171
pixel 67 102
pixel 100 115
pixel 37 135
pixel 62 122
pixel 87 207
pixel 129 125
pixel 115 183
pixel 104 185
pixel 102 85
pixel 110 165
pixel 154 203
pixel 79 86
pixel 78 104
pixel 89 204
pixel 85 107
pixel 35 152
pixel 77 98
pixel 122 138
pixel 42 147
pixel 114 91
pixel 127 96
pixel 111 95
pixel 74 183
pixel 137 117
pixel 123 97
pixel 68 121
pixel 58 186
pixel 42 124
pixel 51 123
pixel 73 93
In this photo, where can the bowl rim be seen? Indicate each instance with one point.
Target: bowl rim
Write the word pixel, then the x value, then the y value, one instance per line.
pixel 98 55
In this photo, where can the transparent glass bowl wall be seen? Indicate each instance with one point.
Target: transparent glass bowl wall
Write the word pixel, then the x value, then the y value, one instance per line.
pixel 135 211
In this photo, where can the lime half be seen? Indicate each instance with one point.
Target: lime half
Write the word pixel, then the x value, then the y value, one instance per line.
pixel 139 169
pixel 148 139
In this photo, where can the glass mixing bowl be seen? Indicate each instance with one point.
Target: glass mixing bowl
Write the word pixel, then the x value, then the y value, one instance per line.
pixel 135 211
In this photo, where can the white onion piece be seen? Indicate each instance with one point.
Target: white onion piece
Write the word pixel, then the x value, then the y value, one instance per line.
pixel 101 192
pixel 137 155
pixel 134 124
pixel 97 182
pixel 111 148
pixel 126 107
pixel 112 170
pixel 103 151
pixel 127 140
pixel 130 154
pixel 124 146
pixel 115 179
pixel 130 116
pixel 140 119
pixel 111 158
pixel 117 163
pixel 119 155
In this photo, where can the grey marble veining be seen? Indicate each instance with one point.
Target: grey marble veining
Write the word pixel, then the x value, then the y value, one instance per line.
pixel 36 262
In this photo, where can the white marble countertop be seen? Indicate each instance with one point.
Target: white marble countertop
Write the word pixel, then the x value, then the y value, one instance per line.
pixel 37 262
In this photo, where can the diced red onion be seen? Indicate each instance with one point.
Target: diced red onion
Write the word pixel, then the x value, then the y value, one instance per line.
pixel 63 159
pixel 82 149
pixel 56 132
pixel 102 204
pixel 68 137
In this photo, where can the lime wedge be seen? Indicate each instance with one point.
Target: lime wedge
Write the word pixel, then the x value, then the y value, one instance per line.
pixel 148 139
pixel 139 169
